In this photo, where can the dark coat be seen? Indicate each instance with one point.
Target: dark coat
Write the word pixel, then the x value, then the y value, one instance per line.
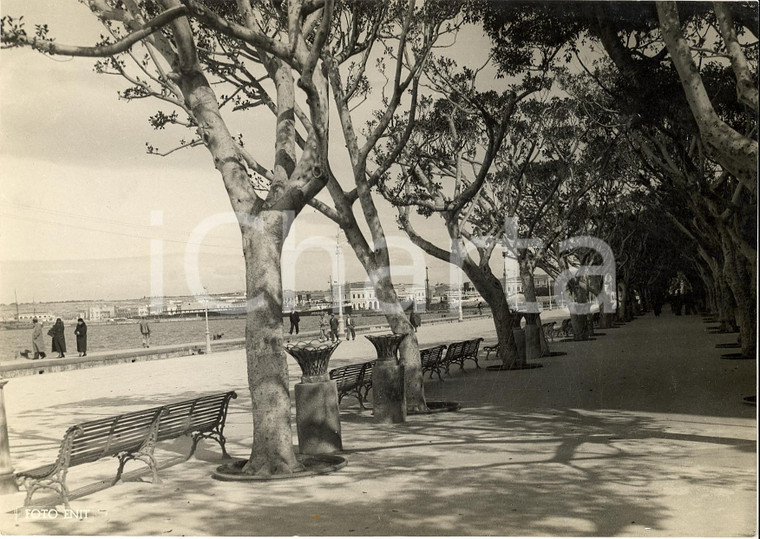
pixel 295 317
pixel 81 333
pixel 334 324
pixel 59 339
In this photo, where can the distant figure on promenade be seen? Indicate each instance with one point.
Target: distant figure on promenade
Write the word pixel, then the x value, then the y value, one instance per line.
pixel 350 332
pixel 323 323
pixel 81 332
pixel 480 308
pixel 38 342
pixel 415 320
pixel 145 332
pixel 59 339
pixel 334 328
pixel 295 318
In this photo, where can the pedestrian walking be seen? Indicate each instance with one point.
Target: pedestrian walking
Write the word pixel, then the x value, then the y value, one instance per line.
pixel 350 332
pixel 38 341
pixel 145 332
pixel 334 328
pixel 480 308
pixel 415 320
pixel 323 324
pixel 59 339
pixel 295 318
pixel 81 332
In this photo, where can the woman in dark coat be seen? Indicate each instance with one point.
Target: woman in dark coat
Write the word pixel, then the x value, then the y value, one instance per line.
pixel 59 339
pixel 81 332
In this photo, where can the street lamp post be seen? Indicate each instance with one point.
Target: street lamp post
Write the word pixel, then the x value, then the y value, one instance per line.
pixel 208 334
pixel 461 317
pixel 339 259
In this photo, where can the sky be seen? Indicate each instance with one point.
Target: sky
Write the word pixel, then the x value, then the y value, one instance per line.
pixel 86 213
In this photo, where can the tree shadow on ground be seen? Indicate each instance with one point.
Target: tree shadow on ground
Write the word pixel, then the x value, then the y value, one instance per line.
pixel 479 471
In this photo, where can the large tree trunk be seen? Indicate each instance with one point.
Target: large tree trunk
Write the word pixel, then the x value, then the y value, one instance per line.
pixel 527 276
pixel 490 288
pixel 741 288
pixel 272 452
pixel 409 351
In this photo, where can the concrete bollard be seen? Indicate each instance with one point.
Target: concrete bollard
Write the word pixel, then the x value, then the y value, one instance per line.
pixel 318 418
pixel 7 482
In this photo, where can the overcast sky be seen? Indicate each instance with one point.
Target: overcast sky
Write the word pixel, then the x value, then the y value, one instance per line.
pixel 79 191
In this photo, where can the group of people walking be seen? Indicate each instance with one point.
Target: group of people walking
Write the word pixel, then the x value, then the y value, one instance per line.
pixel 58 338
pixel 328 328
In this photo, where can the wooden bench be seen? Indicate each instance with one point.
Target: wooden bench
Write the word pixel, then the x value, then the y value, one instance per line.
pixel 130 436
pixel 354 380
pixel 431 359
pixel 459 352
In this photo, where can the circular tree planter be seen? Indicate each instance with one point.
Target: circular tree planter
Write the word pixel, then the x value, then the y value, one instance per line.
pixel 436 407
pixel 313 464
pixel 517 367
pixel 737 355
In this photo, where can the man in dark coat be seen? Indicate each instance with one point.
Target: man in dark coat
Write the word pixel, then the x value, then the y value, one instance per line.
pixel 295 318
pixel 59 339
pixel 333 328
pixel 81 332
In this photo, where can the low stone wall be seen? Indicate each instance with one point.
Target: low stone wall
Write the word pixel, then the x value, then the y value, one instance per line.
pixel 31 367
pixel 42 366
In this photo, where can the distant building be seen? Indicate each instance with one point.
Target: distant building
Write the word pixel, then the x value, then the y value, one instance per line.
pixel 362 295
pixel 43 317
pixel 101 312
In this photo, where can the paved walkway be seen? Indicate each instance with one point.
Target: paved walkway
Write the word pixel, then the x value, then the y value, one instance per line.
pixel 641 432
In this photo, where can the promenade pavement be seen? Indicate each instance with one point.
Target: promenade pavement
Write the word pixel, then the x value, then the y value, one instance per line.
pixel 641 432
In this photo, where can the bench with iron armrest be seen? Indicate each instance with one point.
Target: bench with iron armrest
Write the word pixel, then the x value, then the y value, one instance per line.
pixel 431 359
pixel 566 330
pixel 130 436
pixel 488 349
pixel 354 380
pixel 459 352
pixel 549 331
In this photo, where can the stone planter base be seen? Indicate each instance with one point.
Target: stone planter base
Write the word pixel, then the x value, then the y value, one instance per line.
pixel 314 464
pixel 318 418
pixel 388 392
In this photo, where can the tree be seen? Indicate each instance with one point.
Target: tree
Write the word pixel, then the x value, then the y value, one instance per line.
pixel 289 43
